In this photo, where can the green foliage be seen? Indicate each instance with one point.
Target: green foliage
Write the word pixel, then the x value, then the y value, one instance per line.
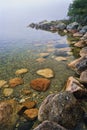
pixel 78 10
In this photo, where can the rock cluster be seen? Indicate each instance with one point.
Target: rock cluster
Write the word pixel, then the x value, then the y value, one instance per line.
pixel 55 108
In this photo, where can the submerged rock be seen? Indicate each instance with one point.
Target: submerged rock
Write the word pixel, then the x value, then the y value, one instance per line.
pixel 60 52
pixel 8 114
pixel 8 92
pixel 15 82
pixel 57 107
pixel 29 104
pixel 60 58
pixel 40 84
pixel 47 73
pixel 40 60
pixel 2 83
pixel 44 54
pixel 21 71
pixel 5 113
pixel 31 113
pixel 49 125
pixel 79 64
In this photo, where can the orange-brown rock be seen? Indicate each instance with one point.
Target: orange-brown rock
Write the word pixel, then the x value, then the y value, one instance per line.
pixel 29 104
pixel 31 113
pixel 40 84
pixel 15 82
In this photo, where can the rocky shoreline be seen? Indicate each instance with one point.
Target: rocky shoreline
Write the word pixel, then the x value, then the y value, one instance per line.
pixel 64 110
pixel 55 108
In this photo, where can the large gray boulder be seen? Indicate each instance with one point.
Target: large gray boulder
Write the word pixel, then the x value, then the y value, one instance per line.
pixel 73 26
pixel 61 26
pixel 61 108
pixel 83 30
pixel 49 125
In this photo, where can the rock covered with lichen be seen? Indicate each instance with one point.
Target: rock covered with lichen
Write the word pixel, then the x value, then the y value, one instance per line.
pixel 62 108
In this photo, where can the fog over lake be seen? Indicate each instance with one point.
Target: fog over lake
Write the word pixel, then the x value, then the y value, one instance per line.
pixel 15 15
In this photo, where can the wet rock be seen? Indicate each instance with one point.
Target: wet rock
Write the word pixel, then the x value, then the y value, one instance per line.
pixel 80 44
pixel 29 104
pixel 77 34
pixel 15 82
pixel 59 107
pixel 79 65
pixel 60 58
pixel 83 77
pixel 2 83
pixel 31 113
pixel 21 71
pixel 83 51
pixel 8 92
pixel 47 73
pixel 40 84
pixel 40 60
pixel 73 85
pixel 8 114
pixel 44 54
pixel 5 112
pixel 26 105
pixel 49 125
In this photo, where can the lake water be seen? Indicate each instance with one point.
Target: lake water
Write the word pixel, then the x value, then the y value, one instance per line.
pixel 20 47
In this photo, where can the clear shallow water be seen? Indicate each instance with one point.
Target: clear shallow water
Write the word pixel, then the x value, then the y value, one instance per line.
pixel 24 53
pixel 21 46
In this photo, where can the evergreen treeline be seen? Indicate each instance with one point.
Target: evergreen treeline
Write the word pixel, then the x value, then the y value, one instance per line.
pixel 78 11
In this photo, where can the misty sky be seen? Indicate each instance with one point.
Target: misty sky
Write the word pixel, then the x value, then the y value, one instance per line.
pixel 17 14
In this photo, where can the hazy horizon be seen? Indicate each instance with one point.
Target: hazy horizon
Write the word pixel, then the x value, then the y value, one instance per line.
pixel 15 15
